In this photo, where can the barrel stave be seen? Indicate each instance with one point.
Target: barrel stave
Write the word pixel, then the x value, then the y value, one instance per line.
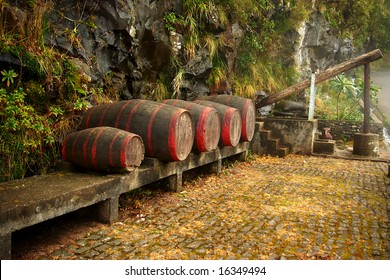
pixel 206 124
pixel 167 131
pixel 104 149
pixel 230 122
pixel 247 110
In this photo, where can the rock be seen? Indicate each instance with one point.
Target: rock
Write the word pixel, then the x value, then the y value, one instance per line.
pixel 129 38
pixel 83 67
pixel 321 47
pixel 200 65
pixel 10 59
pixel 13 18
pixel 289 106
pixel 234 36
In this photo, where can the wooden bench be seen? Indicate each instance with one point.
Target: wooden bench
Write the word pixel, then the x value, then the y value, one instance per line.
pixel 36 199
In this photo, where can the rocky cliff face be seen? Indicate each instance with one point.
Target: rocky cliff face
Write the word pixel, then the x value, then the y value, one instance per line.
pixel 127 41
pixel 318 46
pixel 127 38
pixel 124 39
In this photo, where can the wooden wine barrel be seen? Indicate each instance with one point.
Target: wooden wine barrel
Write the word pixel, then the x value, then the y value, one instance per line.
pixel 230 122
pixel 167 131
pixel 247 110
pixel 104 149
pixel 206 121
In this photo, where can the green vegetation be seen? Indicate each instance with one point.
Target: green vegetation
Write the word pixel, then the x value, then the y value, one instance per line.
pixel 341 99
pixel 40 101
pixel 360 20
pixel 8 77
pixel 174 22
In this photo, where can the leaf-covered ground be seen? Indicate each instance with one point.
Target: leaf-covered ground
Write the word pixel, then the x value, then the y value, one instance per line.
pixel 299 207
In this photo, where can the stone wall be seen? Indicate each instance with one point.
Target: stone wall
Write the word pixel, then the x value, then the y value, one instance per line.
pixel 345 130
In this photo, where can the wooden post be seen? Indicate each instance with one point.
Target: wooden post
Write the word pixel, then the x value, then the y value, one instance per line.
pixel 367 110
pixel 322 76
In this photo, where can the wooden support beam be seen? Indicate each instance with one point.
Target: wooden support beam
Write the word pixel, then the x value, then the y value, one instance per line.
pixel 367 110
pixel 322 76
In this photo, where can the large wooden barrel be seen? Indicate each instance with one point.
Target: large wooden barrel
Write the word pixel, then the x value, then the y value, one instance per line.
pixel 247 110
pixel 104 149
pixel 206 121
pixel 230 122
pixel 167 131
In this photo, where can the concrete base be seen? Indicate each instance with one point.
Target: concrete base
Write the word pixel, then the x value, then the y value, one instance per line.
pixel 366 144
pixel 108 210
pixel 255 145
pixel 5 248
pixel 323 146
pixel 175 182
pixel 296 133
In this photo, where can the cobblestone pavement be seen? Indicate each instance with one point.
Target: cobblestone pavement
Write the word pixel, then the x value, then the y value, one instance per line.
pixel 267 208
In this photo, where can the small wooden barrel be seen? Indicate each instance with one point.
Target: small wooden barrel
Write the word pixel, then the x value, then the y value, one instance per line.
pixel 247 110
pixel 207 124
pixel 104 149
pixel 167 131
pixel 230 122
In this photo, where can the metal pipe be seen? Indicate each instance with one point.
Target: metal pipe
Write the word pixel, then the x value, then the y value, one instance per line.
pixel 312 96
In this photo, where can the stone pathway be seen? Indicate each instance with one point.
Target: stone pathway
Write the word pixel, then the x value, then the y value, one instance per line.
pixel 299 207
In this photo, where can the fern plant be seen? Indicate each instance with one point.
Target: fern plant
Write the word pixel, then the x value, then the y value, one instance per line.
pixel 8 77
